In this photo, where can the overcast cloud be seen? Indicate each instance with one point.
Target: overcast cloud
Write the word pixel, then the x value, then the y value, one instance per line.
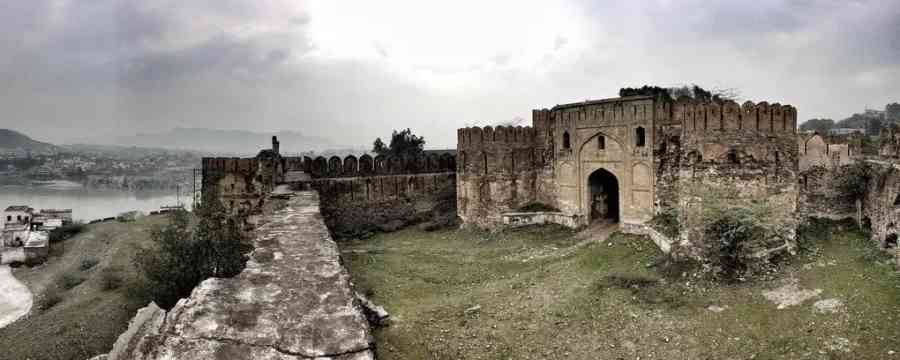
pixel 352 70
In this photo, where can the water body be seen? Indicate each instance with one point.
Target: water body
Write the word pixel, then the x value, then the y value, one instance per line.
pixel 86 204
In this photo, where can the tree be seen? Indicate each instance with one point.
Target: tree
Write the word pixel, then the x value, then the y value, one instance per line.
pixel 646 90
pixel 403 143
pixel 181 256
pixel 379 148
pixel 698 93
pixel 818 125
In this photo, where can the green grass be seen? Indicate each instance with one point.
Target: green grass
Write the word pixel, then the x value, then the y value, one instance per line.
pixel 607 300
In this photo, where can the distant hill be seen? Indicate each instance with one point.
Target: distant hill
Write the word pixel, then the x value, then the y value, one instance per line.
pixel 215 141
pixel 11 139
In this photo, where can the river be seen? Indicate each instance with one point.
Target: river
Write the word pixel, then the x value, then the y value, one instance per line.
pixel 86 204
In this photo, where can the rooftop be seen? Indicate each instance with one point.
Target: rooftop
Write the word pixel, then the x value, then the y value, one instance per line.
pixel 37 239
pixel 602 101
pixel 18 208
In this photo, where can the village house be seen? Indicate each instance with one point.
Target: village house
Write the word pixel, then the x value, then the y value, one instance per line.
pixel 19 214
pixel 23 227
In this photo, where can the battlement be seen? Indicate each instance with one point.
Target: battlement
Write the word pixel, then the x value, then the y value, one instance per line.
pixel 230 165
pixel 366 165
pixel 729 116
pixel 477 137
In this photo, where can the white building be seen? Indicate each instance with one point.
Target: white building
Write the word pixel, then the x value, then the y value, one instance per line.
pixel 18 214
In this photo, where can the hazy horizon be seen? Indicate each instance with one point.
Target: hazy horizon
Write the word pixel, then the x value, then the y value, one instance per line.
pixel 350 71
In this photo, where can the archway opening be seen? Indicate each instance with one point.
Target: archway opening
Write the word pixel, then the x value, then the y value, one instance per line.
pixel 604 196
pixel 890 242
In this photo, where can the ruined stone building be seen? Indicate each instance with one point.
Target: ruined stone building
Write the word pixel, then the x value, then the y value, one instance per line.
pixel 621 159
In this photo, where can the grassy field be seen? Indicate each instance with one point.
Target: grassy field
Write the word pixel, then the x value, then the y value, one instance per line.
pixel 92 310
pixel 456 294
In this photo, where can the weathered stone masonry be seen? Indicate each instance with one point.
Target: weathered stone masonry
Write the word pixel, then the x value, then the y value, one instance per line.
pixel 293 301
pixel 631 151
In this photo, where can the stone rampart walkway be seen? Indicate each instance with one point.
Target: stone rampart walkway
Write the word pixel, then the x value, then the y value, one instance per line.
pixel 293 301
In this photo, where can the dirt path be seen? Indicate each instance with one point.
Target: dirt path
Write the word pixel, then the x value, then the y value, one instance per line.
pixel 597 232
pixel 38 278
pixel 15 299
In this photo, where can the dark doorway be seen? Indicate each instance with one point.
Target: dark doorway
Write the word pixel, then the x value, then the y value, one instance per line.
pixel 604 198
pixel 890 242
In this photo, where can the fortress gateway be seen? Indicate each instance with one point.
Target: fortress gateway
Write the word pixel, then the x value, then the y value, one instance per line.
pixel 622 159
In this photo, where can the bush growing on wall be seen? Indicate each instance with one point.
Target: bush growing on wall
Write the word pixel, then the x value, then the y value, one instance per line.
pixel 854 180
pixel 182 255
pixel 729 227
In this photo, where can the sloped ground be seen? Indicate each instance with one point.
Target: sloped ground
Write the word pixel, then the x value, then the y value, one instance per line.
pixel 469 295
pixel 88 318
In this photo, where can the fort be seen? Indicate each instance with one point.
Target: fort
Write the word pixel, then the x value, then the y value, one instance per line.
pixel 625 162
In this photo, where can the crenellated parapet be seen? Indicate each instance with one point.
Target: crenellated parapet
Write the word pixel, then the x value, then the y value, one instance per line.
pixel 244 166
pixel 352 166
pixel 474 138
pixel 697 116
pixel 496 150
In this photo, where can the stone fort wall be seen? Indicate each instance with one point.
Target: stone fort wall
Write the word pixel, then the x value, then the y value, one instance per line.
pixel 240 183
pixel 751 148
pixel 362 195
pixel 498 171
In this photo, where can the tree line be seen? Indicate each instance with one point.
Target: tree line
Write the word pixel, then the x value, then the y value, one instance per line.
pixel 871 124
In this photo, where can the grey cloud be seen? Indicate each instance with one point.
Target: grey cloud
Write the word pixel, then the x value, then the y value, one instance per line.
pixel 109 66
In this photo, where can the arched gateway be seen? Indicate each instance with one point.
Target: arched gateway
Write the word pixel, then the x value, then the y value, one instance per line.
pixel 604 200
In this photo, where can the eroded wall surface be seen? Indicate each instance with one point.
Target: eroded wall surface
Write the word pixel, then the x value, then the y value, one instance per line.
pixel 881 204
pixel 359 206
pixel 292 301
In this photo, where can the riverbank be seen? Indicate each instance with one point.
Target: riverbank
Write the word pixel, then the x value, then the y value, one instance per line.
pixel 88 205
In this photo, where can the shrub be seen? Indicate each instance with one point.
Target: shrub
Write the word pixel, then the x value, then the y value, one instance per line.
pixel 538 206
pixel 110 279
pixel 69 281
pixel 727 226
pixel 88 263
pixel 182 257
pixel 66 231
pixel 854 180
pixel 52 296
pixel 666 222
pixel 733 231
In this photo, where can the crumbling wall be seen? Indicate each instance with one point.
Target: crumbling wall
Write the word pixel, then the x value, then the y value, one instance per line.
pixel 357 207
pixel 292 301
pixel 751 149
pixel 881 203
pixel 822 167
pixel 498 170
pixel 238 182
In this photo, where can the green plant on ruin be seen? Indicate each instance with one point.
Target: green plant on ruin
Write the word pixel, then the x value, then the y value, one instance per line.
pixel 183 255
pixel 854 180
pixel 666 222
pixel 730 226
pixel 403 143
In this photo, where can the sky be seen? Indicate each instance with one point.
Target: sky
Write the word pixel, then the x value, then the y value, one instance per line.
pixel 353 70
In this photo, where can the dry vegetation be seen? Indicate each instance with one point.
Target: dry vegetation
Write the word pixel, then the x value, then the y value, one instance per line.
pixel 84 295
pixel 470 295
